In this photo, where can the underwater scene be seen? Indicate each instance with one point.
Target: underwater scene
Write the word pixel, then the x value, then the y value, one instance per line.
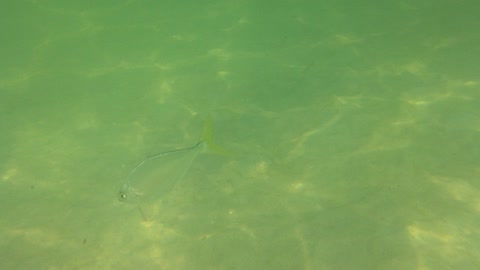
pixel 303 135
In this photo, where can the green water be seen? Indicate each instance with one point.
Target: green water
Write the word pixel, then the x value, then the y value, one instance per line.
pixel 353 133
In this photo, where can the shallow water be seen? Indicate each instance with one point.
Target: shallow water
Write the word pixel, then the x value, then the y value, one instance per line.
pixel 352 132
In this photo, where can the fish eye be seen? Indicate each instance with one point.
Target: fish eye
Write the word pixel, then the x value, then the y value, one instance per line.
pixel 122 196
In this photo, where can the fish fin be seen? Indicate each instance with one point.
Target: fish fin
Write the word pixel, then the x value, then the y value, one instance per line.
pixel 207 138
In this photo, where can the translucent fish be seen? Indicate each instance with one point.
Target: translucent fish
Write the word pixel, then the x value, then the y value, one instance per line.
pixel 157 175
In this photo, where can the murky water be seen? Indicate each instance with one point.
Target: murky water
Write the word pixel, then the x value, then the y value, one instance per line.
pixel 340 131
